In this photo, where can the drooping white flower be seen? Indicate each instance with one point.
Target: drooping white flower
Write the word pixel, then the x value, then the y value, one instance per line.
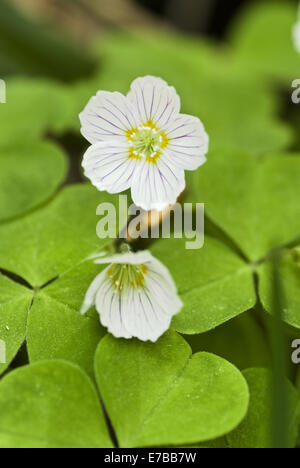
pixel 296 33
pixel 135 296
pixel 141 141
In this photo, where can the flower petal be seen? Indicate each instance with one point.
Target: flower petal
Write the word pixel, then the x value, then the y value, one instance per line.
pixel 111 311
pixel 145 319
pixel 109 167
pixel 154 100
pixel 131 258
pixel 158 185
pixel 151 308
pixel 188 142
pixel 162 288
pixel 90 297
pixel 144 312
pixel 108 116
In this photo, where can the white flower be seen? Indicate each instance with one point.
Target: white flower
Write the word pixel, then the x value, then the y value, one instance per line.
pixel 135 296
pixel 141 141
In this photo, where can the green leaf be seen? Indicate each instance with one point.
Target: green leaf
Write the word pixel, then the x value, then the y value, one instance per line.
pixel 56 330
pixel 211 444
pixel 15 302
pixel 162 395
pixel 267 50
pixel 29 174
pixel 50 405
pixel 254 200
pixel 289 274
pixel 55 239
pixel 214 284
pixel 240 341
pixel 32 108
pixel 239 114
pixel 255 430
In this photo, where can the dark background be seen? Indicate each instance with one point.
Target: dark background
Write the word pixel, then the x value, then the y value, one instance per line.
pixel 52 37
pixel 210 17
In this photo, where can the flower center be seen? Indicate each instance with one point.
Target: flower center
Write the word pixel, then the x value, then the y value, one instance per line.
pixel 146 141
pixel 124 276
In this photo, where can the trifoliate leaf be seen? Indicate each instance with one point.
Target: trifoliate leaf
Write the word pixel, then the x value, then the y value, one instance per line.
pixel 56 330
pixel 214 284
pixel 162 395
pixel 255 430
pixel 51 405
pixel 54 239
pixel 254 200
pixel 29 174
pixel 15 302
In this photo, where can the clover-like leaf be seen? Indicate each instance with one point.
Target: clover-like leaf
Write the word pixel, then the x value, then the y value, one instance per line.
pixel 240 341
pixel 267 50
pixel 289 273
pixel 162 395
pixel 56 330
pixel 15 302
pixel 29 174
pixel 32 108
pixel 54 239
pixel 254 199
pixel 255 430
pixel 51 404
pixel 215 285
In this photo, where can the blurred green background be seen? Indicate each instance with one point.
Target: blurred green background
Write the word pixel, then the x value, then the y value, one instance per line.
pixel 51 37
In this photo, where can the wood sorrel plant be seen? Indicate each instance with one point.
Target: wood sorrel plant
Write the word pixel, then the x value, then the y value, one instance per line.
pixel 207 381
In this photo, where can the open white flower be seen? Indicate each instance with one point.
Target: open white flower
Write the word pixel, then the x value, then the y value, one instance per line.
pixel 141 141
pixel 135 296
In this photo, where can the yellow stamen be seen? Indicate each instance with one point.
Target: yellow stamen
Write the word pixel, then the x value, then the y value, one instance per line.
pixel 153 159
pixel 130 134
pixel 133 154
pixel 123 276
pixel 110 272
pixel 164 140
pixel 151 125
